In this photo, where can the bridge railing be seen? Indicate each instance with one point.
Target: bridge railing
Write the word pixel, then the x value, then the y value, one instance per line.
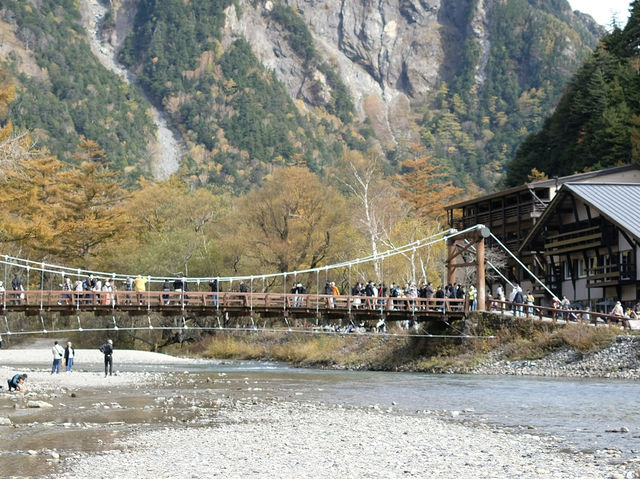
pixel 159 300
pixel 541 312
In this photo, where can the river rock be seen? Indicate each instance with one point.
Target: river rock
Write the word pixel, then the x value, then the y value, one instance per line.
pixel 39 404
pixel 5 421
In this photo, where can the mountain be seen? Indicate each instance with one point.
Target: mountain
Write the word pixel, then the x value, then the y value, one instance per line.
pixel 246 85
pixel 596 124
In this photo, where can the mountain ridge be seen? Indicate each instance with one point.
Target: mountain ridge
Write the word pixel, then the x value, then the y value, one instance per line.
pixel 467 79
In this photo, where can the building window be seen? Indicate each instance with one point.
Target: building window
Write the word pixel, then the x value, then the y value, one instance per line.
pixel 626 264
pixel 582 271
pixel 588 267
pixel 567 267
pixel 604 263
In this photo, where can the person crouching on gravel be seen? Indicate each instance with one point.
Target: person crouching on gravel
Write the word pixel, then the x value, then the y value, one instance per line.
pixel 17 382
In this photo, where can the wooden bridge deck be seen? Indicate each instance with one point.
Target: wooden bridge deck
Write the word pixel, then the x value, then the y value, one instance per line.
pixel 231 304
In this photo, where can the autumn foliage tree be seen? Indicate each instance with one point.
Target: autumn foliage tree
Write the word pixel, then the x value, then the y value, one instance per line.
pixel 292 221
pixel 29 189
pixel 423 188
pixel 174 230
pixel 31 212
pixel 92 204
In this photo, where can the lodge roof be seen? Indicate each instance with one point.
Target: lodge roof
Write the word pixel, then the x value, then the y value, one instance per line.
pixel 578 177
pixel 619 203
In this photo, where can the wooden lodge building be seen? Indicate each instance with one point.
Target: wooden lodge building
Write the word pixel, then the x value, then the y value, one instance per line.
pixel 579 234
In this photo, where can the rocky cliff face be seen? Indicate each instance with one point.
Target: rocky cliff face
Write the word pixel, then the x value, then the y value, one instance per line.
pixel 388 52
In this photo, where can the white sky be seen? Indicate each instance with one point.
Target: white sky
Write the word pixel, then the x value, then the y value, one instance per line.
pixel 603 10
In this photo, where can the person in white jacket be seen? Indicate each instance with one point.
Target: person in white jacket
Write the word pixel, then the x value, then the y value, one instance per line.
pixel 58 353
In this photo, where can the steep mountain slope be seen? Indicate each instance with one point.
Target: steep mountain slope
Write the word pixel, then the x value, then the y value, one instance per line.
pixel 167 151
pixel 253 83
pixel 63 91
pixel 596 124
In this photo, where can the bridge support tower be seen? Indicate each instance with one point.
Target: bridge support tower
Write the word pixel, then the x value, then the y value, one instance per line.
pixel 470 243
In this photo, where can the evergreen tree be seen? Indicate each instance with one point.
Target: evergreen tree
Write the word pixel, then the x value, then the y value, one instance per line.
pixel 593 126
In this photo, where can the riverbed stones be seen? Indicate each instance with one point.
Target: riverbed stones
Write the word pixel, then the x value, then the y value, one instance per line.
pixel 621 360
pixel 35 404
pixel 311 440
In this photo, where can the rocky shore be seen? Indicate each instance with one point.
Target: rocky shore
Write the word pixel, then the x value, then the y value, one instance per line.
pixel 290 439
pixel 621 360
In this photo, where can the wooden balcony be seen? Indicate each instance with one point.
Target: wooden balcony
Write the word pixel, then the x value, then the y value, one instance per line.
pixel 576 240
pixel 499 216
pixel 610 275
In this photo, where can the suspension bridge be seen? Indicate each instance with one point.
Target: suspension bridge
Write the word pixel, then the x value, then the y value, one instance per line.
pixel 41 308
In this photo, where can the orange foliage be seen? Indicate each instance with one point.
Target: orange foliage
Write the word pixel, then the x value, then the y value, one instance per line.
pixel 422 186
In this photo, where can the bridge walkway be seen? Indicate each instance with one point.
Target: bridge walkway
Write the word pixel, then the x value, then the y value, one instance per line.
pixel 233 304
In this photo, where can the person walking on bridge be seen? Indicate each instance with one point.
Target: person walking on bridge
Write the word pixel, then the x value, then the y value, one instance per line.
pixel 139 286
pixel 16 285
pixel 107 350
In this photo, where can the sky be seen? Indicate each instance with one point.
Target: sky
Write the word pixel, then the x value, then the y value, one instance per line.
pixel 603 10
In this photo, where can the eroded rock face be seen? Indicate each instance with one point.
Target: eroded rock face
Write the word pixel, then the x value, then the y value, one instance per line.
pixel 387 52
pixel 384 51
pixel 395 41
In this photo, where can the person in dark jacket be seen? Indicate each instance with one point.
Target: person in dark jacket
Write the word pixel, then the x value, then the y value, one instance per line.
pixel 69 356
pixel 368 289
pixel 518 299
pixel 16 284
pixel 441 295
pixel 107 350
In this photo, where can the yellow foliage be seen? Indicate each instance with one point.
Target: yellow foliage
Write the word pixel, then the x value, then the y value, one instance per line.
pixel 536 175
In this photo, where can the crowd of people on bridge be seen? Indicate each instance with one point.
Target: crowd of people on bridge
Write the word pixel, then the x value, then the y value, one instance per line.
pixel 96 290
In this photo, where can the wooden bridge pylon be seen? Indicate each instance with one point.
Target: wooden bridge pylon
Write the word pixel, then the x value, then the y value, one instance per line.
pixel 466 242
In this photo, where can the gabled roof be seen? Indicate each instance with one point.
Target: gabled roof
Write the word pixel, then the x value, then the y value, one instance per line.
pixel 578 177
pixel 619 203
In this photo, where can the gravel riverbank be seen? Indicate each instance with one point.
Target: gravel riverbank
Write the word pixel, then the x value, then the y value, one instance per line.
pixel 621 360
pixel 288 439
pixel 231 429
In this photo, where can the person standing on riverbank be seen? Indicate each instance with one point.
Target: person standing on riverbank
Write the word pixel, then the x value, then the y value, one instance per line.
pixel 107 350
pixel 69 356
pixel 58 353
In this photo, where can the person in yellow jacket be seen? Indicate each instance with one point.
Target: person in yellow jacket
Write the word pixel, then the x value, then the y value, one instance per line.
pixel 473 298
pixel 139 286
